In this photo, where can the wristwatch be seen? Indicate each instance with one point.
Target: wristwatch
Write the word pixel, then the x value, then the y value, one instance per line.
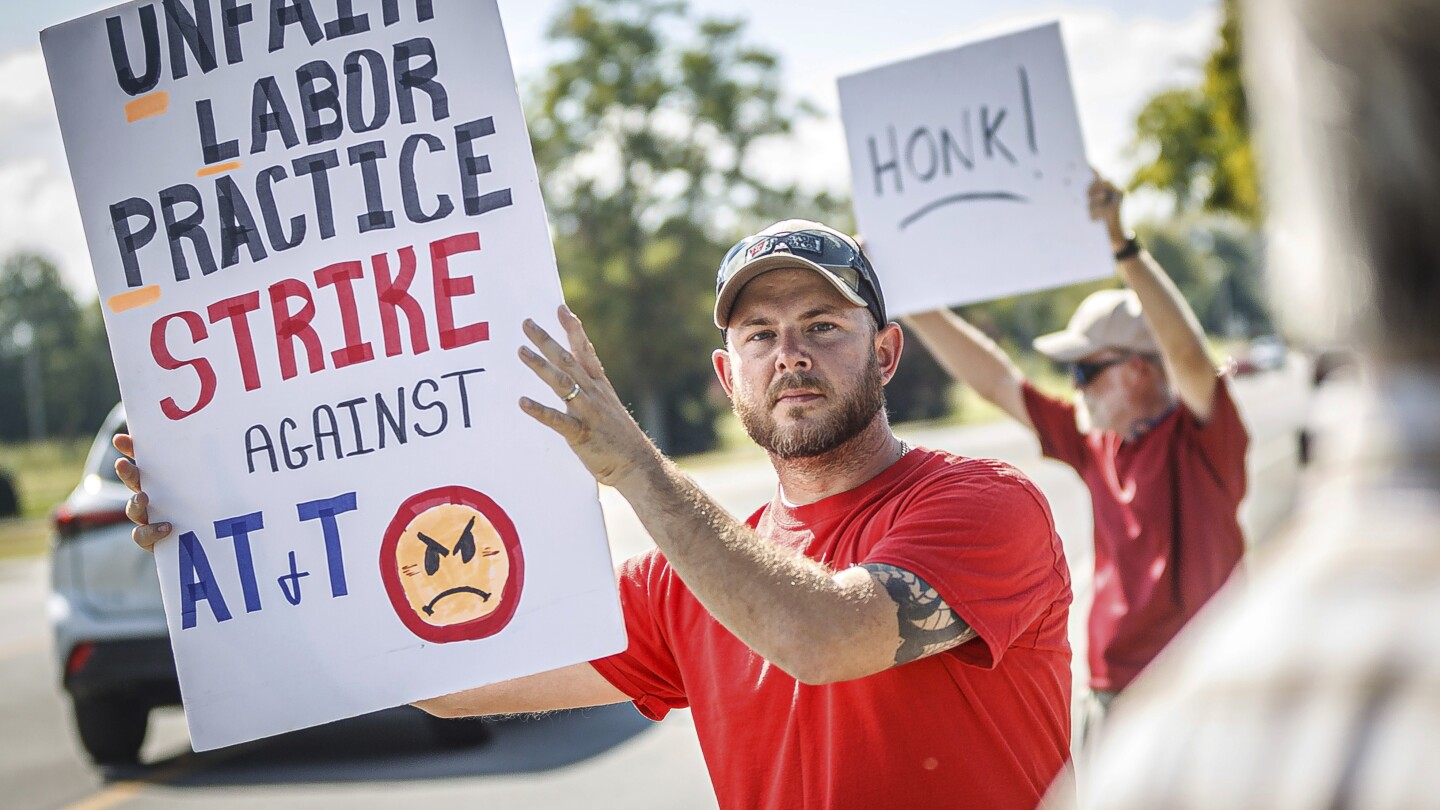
pixel 1129 251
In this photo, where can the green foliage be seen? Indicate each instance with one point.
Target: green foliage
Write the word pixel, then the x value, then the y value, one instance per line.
pixel 44 472
pixel 920 388
pixel 9 495
pixel 642 132
pixel 1218 266
pixel 68 350
pixel 1199 137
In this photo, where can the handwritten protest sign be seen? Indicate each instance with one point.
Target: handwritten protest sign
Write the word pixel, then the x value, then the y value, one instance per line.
pixel 970 173
pixel 316 229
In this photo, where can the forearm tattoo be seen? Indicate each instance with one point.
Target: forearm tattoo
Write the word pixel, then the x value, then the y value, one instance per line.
pixel 927 624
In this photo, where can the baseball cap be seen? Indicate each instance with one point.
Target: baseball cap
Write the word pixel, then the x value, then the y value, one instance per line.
pixel 799 243
pixel 1108 319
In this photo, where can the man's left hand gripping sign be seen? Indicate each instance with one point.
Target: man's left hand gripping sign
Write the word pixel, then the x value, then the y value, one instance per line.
pixel 452 565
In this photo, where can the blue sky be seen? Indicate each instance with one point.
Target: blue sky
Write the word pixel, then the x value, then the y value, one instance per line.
pixel 1120 52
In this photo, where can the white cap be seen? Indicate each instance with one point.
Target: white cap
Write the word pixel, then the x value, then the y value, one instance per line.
pixel 774 248
pixel 1108 319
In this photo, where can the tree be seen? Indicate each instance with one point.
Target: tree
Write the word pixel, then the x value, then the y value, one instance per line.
pixel 71 375
pixel 642 133
pixel 1199 137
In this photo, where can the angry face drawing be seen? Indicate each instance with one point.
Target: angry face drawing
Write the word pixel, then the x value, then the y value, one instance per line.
pixel 452 565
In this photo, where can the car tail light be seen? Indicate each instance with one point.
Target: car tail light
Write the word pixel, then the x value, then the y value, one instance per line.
pixel 79 657
pixel 70 522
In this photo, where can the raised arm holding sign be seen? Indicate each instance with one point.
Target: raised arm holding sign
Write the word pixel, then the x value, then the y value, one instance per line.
pixel 970 176
pixel 1163 453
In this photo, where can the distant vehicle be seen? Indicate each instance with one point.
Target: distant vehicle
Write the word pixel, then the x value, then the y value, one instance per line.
pixel 1265 353
pixel 1268 352
pixel 111 641
pixel 1335 404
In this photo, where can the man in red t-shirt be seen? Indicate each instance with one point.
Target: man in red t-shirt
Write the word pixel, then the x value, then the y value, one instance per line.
pixel 1163 455
pixel 889 631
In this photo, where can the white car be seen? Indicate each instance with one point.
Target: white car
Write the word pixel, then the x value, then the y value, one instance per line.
pixel 111 642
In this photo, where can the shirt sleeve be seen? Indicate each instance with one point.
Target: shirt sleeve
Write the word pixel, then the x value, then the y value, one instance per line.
pixel 1222 440
pixel 646 671
pixel 985 541
pixel 1054 421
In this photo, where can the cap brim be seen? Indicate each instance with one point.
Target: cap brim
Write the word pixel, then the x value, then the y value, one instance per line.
pixel 1065 346
pixel 725 301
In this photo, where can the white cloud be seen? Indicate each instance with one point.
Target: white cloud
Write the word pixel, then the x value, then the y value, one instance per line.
pixel 38 212
pixel 24 88
pixel 1116 65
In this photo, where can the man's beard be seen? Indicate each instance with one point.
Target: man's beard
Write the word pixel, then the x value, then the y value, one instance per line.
pixel 855 412
pixel 1099 413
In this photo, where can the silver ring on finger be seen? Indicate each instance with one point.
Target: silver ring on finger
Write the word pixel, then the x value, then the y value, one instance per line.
pixel 572 393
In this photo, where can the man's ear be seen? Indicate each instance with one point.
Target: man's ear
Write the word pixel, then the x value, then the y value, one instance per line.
pixel 889 343
pixel 721 359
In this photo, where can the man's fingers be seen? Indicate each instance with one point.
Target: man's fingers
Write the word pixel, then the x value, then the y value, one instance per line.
pixel 580 342
pixel 125 468
pixel 137 508
pixel 1104 198
pixel 151 533
pixel 129 474
pixel 559 381
pixel 552 349
pixel 560 422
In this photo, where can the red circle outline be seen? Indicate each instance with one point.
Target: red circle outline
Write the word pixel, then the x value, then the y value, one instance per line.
pixel 484 626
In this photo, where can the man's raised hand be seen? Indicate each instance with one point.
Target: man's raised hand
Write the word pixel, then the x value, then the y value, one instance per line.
pixel 1104 199
pixel 594 421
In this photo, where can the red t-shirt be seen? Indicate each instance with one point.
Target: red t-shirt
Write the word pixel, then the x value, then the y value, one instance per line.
pixel 986 724
pixel 1149 580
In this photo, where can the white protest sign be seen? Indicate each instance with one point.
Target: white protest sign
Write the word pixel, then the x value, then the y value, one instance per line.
pixel 970 174
pixel 316 229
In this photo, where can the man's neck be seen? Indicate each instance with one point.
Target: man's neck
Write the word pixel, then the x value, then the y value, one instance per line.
pixel 1149 412
pixel 1142 424
pixel 813 478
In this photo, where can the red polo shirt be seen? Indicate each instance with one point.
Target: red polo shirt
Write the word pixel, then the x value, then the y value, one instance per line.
pixel 1167 531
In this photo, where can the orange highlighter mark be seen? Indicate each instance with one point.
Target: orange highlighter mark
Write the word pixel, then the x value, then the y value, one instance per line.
pixel 218 168
pixel 134 299
pixel 146 106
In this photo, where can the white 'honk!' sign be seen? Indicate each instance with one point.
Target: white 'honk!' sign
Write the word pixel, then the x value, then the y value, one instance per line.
pixel 316 229
pixel 970 175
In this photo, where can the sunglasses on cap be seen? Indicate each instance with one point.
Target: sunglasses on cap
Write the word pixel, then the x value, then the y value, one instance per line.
pixel 841 260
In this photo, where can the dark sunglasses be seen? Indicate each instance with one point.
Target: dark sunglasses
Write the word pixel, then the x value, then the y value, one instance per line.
pixel 1085 373
pixel 838 257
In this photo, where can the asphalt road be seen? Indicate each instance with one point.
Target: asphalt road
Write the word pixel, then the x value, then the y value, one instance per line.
pixel 595 759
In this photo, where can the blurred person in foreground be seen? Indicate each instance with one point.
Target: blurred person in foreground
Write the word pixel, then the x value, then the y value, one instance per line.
pixel 889 631
pixel 1163 454
pixel 1319 686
